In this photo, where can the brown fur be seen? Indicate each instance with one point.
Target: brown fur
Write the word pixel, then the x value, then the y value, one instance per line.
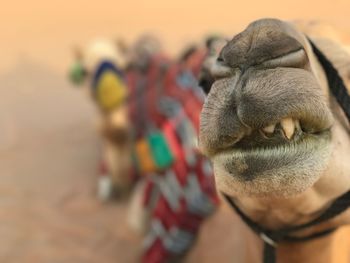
pixel 264 74
pixel 116 133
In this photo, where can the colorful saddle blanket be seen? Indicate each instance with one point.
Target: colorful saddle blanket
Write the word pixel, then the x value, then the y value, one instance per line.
pixel 165 103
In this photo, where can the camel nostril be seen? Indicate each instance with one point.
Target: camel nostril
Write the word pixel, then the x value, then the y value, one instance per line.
pixel 220 59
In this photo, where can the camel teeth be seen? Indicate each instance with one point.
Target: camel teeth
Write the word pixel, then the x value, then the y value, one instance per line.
pixel 269 129
pixel 288 126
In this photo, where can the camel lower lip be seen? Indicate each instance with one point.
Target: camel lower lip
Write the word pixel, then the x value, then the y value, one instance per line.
pixel 282 167
pixel 306 144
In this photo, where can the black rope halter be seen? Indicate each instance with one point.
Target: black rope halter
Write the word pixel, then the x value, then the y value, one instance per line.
pixel 273 238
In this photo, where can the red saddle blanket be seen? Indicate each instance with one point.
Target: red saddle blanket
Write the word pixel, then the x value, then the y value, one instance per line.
pixel 165 101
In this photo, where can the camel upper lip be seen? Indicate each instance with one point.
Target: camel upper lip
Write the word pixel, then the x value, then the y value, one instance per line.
pixel 238 111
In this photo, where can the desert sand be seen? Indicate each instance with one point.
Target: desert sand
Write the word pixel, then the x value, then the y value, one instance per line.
pixel 49 152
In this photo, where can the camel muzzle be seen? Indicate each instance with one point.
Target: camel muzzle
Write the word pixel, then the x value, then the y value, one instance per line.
pixel 270 238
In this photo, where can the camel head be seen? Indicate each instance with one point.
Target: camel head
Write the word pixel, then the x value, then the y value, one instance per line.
pixel 89 57
pixel 269 124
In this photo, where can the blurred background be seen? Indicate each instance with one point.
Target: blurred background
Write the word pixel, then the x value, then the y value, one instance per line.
pixel 45 32
pixel 49 147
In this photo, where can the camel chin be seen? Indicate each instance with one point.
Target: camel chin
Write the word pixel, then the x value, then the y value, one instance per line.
pixel 278 171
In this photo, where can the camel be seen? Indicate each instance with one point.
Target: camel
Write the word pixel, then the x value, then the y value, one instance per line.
pixel 168 204
pixel 111 96
pixel 279 141
pixel 109 92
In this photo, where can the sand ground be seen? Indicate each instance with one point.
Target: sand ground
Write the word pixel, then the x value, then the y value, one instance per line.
pixel 49 152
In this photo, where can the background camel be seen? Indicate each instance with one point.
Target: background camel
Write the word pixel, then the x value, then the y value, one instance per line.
pixel 109 92
pixel 170 203
pixel 270 97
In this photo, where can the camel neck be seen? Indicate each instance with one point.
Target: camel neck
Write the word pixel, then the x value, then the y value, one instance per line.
pixel 272 239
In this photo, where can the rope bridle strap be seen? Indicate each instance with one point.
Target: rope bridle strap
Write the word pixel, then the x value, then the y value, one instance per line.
pixel 335 82
pixel 273 238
